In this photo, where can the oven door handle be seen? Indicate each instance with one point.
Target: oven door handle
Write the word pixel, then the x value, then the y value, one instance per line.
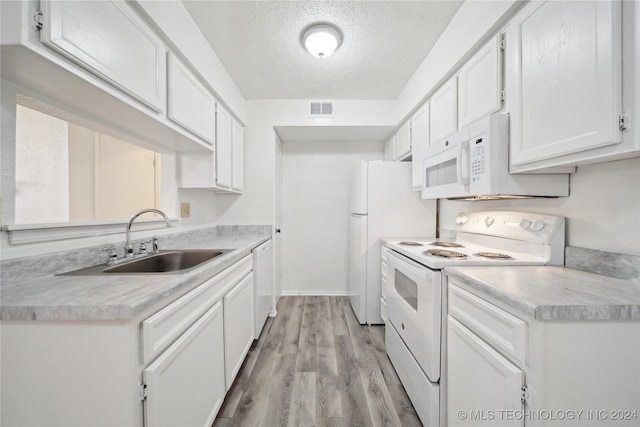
pixel 462 147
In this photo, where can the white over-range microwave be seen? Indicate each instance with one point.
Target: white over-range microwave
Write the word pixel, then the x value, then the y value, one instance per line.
pixel 473 163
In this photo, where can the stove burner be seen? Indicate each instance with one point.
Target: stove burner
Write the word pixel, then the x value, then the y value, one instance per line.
pixel 493 255
pixel 447 244
pixel 410 244
pixel 445 254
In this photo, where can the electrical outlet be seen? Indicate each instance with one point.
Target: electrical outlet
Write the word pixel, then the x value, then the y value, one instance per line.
pixel 185 210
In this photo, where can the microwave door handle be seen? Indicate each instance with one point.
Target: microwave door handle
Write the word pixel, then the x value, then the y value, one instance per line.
pixel 463 146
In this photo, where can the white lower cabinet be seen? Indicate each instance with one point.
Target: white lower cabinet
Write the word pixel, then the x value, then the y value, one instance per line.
pixel 170 365
pixel 507 368
pixel 481 381
pixel 185 384
pixel 238 326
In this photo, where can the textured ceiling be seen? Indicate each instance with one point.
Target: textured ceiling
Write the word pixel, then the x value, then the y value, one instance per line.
pixel 259 44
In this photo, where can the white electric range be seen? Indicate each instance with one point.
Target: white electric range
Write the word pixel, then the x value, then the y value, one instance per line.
pixel 415 291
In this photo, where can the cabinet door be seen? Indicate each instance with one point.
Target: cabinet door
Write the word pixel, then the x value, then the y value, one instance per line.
pixel 481 383
pixel 564 81
pixel 185 384
pixel 110 40
pixel 196 170
pixel 390 149
pixel 480 84
pixel 224 147
pixel 419 144
pixel 237 180
pixel 190 104
pixel 238 326
pixel 403 141
pixel 443 111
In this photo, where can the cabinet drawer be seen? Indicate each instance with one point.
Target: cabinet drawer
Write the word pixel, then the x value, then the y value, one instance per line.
pixel 383 310
pixel 505 332
pixel 383 286
pixel 164 327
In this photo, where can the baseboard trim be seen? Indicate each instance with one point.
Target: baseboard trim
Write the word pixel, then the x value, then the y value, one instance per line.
pixel 315 293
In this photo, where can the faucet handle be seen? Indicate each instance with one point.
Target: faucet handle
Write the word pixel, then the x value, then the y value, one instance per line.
pixel 155 244
pixel 143 246
pixel 112 255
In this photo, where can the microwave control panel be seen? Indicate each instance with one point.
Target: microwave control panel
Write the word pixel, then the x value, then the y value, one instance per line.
pixel 478 154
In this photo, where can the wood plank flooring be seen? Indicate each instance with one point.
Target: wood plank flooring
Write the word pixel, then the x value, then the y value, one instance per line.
pixel 315 365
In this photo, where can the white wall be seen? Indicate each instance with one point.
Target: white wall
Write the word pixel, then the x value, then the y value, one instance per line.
pixel 315 230
pixel 602 211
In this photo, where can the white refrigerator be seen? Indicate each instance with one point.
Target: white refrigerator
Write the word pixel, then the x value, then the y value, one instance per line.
pixel 383 205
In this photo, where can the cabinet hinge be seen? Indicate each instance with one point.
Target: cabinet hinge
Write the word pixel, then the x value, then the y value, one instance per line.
pixel 142 391
pixel 623 121
pixel 502 95
pixel 524 394
pixel 502 44
pixel 39 19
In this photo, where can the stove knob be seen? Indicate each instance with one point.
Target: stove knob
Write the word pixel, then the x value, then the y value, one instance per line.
pixel 463 219
pixel 537 225
pixel 488 221
pixel 525 223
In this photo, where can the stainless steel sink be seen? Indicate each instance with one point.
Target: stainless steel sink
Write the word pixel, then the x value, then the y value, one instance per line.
pixel 167 261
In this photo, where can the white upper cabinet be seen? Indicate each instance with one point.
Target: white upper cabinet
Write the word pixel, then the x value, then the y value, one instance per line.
pixel 403 141
pixel 419 143
pixel 224 148
pixel 190 104
pixel 237 167
pixel 109 39
pixel 443 111
pixel 563 82
pixel 480 84
pixel 223 170
pixel 390 149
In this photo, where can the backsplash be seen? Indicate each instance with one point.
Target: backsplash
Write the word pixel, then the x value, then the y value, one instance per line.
pixel 622 266
pixel 24 268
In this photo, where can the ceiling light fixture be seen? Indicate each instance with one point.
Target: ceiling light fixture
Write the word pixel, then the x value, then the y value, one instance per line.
pixel 321 40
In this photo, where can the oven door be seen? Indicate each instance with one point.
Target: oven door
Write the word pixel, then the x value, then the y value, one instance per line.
pixel 446 167
pixel 414 308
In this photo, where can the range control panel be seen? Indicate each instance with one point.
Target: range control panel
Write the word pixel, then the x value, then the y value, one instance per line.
pixel 478 148
pixel 514 225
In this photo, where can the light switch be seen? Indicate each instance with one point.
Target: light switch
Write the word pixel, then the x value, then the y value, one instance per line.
pixel 185 210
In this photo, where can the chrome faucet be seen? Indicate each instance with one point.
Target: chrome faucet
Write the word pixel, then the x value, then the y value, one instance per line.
pixel 128 247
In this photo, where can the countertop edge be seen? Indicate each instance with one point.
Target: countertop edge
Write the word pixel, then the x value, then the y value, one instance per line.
pixel 125 312
pixel 583 312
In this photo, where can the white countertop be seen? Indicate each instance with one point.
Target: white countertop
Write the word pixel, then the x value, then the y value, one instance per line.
pixel 555 293
pixel 116 297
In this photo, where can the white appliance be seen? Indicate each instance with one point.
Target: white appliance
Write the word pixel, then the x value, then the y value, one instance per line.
pixel 382 205
pixel 416 291
pixel 263 285
pixel 473 163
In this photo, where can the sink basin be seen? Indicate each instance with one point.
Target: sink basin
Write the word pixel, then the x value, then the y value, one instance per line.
pixel 167 261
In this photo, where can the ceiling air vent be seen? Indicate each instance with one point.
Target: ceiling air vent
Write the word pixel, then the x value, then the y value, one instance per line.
pixel 321 109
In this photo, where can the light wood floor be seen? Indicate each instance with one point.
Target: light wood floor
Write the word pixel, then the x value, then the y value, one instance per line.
pixel 314 365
